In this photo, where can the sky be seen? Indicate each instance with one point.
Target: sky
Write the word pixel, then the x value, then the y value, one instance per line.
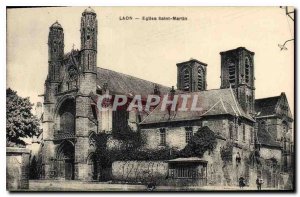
pixel 151 49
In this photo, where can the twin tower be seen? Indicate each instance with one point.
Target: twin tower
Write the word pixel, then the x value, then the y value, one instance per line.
pixel 88 52
pixel 237 72
pixel 68 118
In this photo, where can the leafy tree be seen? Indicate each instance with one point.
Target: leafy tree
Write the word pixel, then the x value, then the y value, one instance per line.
pixel 20 122
pixel 203 140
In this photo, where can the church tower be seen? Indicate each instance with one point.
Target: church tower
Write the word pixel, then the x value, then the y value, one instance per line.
pixel 237 72
pixel 55 58
pixel 85 122
pixel 89 32
pixel 191 76
pixel 55 51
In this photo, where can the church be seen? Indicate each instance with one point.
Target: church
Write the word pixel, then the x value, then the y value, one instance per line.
pixel 256 134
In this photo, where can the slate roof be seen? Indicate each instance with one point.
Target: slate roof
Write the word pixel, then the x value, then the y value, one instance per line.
pixel 211 102
pixel 123 84
pixel 266 139
pixel 266 106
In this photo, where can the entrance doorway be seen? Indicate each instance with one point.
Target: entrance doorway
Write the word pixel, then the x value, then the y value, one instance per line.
pixel 94 167
pixel 65 156
pixel 69 169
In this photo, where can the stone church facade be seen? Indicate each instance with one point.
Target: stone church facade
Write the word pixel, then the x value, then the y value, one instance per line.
pixel 71 119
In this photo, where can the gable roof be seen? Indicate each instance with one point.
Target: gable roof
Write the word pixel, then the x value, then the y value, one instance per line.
pixel 266 106
pixel 266 139
pixel 120 83
pixel 211 102
pixel 273 106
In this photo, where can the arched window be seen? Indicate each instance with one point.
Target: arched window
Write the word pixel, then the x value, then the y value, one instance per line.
pixel 73 75
pixel 162 137
pixel 186 80
pixel 54 71
pixel 285 127
pixel 231 71
pixel 247 70
pixel 231 130
pixel 92 140
pixel 262 126
pixel 200 79
pixel 67 123
pixel 188 134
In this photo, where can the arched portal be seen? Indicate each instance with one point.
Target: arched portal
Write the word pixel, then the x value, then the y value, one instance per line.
pixel 93 167
pixel 65 158
pixel 65 119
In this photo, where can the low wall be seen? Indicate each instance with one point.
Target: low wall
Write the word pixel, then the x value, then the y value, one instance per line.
pixel 139 171
pixel 145 172
pixel 17 168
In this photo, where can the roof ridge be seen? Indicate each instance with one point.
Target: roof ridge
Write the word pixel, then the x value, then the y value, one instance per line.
pixel 270 135
pixel 268 97
pixel 235 101
pixel 234 110
pixel 231 107
pixel 224 105
pixel 210 108
pixel 127 75
pixel 150 113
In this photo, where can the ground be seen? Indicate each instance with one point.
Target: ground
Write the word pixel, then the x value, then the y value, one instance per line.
pixel 50 185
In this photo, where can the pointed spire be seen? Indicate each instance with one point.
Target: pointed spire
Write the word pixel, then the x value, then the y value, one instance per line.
pixel 56 25
pixel 89 10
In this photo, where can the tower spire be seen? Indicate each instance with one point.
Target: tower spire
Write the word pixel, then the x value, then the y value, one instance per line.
pixel 55 50
pixel 89 40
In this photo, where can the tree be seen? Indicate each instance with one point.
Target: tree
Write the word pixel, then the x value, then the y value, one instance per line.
pixel 203 140
pixel 20 122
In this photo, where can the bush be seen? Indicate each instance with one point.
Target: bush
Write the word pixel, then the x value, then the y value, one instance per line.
pixel 203 140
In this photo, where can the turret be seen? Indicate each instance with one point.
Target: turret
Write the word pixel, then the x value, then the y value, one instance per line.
pixel 89 40
pixel 55 51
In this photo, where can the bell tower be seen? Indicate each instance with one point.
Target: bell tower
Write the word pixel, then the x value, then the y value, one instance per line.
pixel 191 76
pixel 237 72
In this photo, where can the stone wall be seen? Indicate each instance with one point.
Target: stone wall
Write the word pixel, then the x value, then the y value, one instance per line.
pixel 139 171
pixel 175 137
pixel 227 173
pixel 145 172
pixel 17 168
pixel 218 171
pixel 268 153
